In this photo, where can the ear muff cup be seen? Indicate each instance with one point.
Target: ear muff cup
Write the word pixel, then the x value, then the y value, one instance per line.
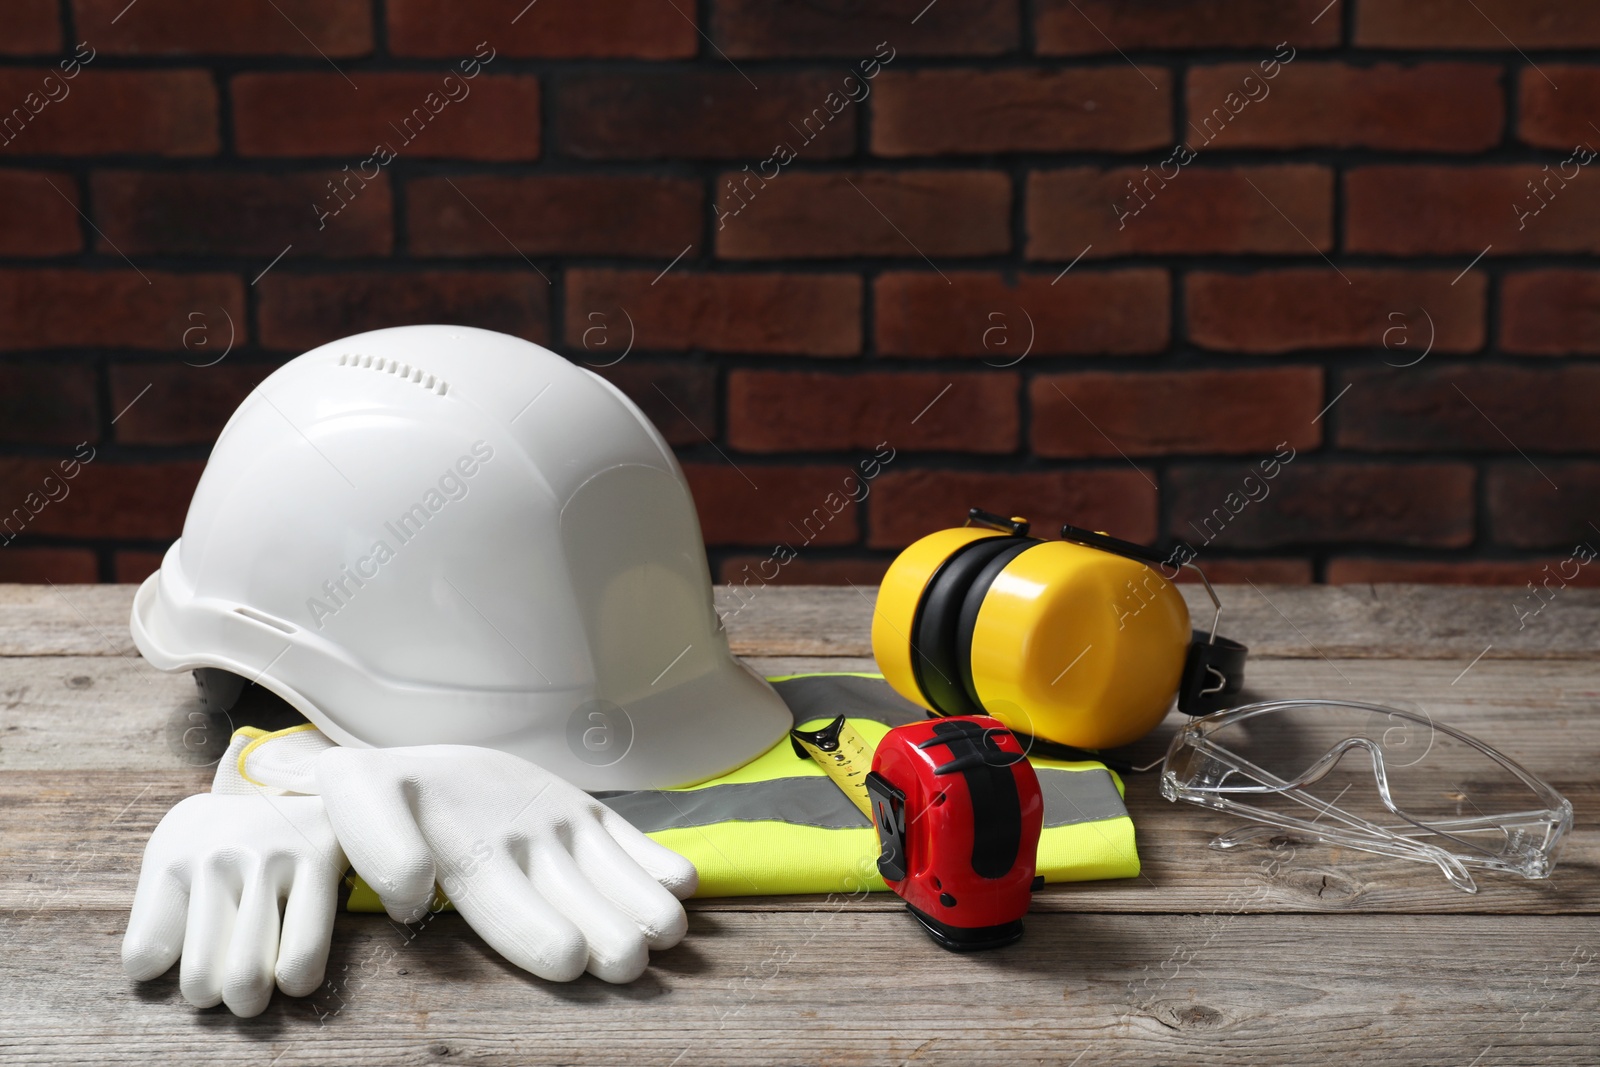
pixel 971 603
pixel 940 663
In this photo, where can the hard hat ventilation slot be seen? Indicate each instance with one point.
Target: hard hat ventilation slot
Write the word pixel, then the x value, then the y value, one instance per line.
pixel 434 384
pixel 265 620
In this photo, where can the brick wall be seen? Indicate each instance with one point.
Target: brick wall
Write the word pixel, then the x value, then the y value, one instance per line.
pixel 1308 285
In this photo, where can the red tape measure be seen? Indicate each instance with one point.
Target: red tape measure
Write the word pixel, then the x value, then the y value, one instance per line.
pixel 958 812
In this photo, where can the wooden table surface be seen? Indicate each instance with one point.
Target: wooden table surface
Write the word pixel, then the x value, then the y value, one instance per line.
pixel 1206 958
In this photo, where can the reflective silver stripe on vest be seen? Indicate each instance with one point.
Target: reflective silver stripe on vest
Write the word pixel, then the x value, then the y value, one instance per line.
pixel 1070 797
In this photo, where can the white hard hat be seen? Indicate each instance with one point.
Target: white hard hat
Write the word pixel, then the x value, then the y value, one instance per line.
pixel 443 535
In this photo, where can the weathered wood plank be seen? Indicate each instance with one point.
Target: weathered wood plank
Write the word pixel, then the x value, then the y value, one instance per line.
pixel 846 986
pixel 66 620
pixel 73 841
pixel 93 750
pixel 1299 622
pixel 100 712
pixel 90 760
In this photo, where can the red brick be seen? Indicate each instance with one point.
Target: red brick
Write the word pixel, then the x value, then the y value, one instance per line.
pixel 1471 408
pixel 967 313
pixel 1226 571
pixel 978 112
pixel 768 506
pixel 680 399
pixel 250 27
pixel 793 411
pixel 1311 503
pixel 1353 570
pixel 1527 511
pixel 148 112
pixel 549 29
pixel 209 213
pixel 574 215
pixel 1314 308
pixel 1431 107
pixel 183 404
pixel 1163 412
pixel 130 500
pixel 301 311
pixel 36 220
pixel 811 314
pixel 132 566
pixel 115 308
pixel 702 115
pixel 1083 27
pixel 749 572
pixel 1550 312
pixel 1426 210
pixel 45 403
pixel 885 29
pixel 63 566
pixel 905 214
pixel 910 504
pixel 315 114
pixel 1484 24
pixel 1554 118
pixel 30 28
pixel 1202 209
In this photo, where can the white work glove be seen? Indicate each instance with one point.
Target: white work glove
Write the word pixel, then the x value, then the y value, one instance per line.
pixel 217 870
pixel 551 878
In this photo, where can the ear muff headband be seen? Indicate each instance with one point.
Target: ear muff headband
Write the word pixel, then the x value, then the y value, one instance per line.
pixel 936 656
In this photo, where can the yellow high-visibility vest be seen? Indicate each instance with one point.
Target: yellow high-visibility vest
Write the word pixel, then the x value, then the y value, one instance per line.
pixel 778 825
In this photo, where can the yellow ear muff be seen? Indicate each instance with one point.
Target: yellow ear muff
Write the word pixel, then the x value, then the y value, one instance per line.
pixel 1060 640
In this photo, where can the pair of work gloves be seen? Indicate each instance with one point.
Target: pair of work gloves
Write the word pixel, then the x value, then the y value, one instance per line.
pixel 242 883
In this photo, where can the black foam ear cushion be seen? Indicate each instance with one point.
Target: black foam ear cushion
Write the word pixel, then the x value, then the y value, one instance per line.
pixel 971 602
pixel 935 652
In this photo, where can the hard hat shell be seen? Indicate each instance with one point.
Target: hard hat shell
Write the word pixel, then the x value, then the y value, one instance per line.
pixel 445 535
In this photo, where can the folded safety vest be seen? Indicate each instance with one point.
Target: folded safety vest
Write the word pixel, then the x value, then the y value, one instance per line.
pixel 778 825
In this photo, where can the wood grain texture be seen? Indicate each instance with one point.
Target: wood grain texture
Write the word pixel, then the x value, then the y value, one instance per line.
pixel 107 713
pixel 1304 956
pixel 1296 622
pixel 94 751
pixel 66 620
pixel 838 985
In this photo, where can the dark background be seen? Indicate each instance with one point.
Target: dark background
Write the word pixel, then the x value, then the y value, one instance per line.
pixel 882 288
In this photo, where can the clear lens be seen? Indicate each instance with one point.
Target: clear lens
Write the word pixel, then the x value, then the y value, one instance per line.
pixel 1389 780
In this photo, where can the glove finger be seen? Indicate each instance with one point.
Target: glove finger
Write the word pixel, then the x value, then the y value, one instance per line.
pixel 617 948
pixel 674 873
pixel 307 928
pixel 252 947
pixel 499 902
pixel 212 906
pixel 374 822
pixel 154 939
pixel 630 888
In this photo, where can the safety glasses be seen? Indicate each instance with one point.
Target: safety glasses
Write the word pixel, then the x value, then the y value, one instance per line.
pixel 1368 777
